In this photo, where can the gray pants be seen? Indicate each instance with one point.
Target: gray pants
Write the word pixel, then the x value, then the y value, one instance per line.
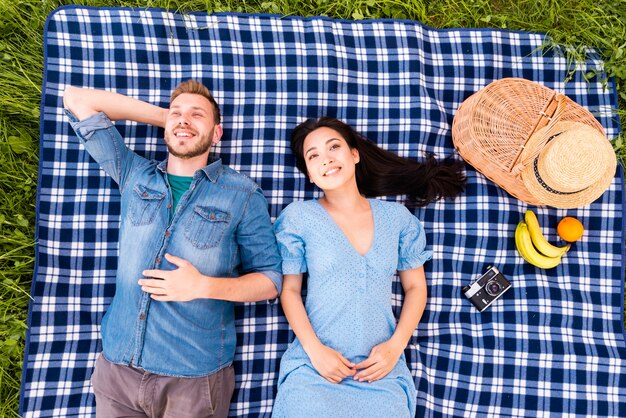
pixel 123 391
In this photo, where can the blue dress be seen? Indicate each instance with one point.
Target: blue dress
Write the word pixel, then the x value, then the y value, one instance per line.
pixel 349 305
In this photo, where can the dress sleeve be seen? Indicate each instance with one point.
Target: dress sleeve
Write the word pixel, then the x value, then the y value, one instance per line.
pixel 412 246
pixel 290 242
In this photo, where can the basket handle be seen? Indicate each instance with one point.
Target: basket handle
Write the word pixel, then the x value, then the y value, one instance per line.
pixel 549 116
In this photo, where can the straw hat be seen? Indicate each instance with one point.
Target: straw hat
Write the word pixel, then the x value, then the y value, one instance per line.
pixel 574 167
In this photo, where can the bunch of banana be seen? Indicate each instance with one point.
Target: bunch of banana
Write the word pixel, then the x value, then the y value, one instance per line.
pixel 533 245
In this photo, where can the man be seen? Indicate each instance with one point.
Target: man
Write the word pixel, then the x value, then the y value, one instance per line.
pixel 195 236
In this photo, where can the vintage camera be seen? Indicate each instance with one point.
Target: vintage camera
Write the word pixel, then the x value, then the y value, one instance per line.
pixel 486 289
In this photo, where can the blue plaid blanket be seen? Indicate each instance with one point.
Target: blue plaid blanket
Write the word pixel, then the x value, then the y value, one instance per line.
pixel 551 346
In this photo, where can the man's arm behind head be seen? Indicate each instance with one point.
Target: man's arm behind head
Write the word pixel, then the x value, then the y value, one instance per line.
pixel 87 102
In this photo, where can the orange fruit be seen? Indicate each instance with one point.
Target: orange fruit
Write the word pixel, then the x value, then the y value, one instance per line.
pixel 570 229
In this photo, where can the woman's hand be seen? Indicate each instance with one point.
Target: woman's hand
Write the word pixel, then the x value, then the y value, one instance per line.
pixel 384 356
pixel 330 364
pixel 381 361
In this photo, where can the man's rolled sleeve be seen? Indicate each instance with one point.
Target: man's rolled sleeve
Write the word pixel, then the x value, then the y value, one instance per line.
pixel 85 128
pixel 105 145
pixel 257 243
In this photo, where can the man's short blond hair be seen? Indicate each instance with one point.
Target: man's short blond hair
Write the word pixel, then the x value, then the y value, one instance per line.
pixel 196 87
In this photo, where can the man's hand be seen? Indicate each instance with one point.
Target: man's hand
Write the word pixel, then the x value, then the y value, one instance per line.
pixel 381 361
pixel 330 364
pixel 180 285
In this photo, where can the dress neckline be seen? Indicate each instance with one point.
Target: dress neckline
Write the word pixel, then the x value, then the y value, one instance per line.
pixel 343 234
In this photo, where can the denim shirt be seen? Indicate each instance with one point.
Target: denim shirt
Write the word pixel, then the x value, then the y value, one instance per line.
pixel 221 225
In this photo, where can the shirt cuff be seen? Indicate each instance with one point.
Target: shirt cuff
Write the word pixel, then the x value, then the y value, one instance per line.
pixel 275 277
pixel 85 128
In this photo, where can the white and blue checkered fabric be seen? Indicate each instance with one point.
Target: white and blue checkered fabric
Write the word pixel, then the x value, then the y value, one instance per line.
pixel 551 346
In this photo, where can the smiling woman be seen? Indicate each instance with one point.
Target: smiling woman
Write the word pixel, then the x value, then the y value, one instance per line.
pixel 329 159
pixel 377 172
pixel 351 248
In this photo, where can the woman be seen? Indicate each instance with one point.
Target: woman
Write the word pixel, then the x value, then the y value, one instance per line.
pixel 348 355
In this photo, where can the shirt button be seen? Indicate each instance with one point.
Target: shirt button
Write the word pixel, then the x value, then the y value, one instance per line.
pixel 169 205
pixel 158 260
pixel 145 194
pixel 212 216
pixel 142 316
pixel 168 233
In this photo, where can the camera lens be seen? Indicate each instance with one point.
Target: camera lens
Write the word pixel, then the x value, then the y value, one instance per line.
pixel 493 288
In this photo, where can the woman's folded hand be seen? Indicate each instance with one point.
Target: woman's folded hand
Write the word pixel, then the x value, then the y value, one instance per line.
pixel 381 361
pixel 330 364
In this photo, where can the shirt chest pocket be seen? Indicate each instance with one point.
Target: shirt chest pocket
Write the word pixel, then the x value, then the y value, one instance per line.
pixel 144 204
pixel 206 226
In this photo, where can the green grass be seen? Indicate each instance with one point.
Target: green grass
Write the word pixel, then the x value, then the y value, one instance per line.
pixel 597 23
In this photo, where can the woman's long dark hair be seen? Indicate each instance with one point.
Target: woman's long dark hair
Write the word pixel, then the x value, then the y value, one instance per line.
pixel 383 173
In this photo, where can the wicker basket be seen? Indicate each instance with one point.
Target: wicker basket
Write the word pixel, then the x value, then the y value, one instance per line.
pixel 491 128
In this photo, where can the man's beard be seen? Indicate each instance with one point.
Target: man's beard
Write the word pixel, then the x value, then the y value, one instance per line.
pixel 202 146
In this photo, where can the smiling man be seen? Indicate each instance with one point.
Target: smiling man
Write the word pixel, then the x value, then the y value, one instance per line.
pixel 195 236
